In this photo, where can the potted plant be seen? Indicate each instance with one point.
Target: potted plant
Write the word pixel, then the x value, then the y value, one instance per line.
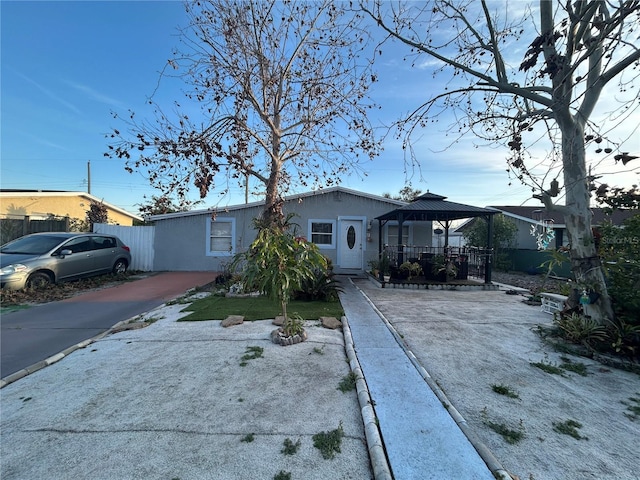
pixel 444 269
pixel 410 270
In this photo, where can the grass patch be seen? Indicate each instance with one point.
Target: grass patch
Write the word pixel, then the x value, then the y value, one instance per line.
pixel 329 442
pixel 290 448
pixel 251 353
pixel 505 390
pixel 282 475
pixel 153 319
pixel 575 367
pixel 257 308
pixel 548 367
pixel 183 300
pixel 569 427
pixel 566 366
pixel 250 437
pixel 633 407
pixel 348 382
pixel 509 434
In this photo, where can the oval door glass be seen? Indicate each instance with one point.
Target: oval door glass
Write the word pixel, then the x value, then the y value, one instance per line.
pixel 351 237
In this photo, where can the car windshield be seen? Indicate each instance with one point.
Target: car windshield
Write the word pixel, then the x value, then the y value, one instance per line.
pixel 36 245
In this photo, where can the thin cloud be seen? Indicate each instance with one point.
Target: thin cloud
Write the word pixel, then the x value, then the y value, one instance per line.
pixel 97 96
pixel 50 94
pixel 45 142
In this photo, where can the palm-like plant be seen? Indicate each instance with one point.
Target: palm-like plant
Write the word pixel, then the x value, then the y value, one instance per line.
pixel 277 263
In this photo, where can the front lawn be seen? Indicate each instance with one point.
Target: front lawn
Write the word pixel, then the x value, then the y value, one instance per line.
pixel 258 308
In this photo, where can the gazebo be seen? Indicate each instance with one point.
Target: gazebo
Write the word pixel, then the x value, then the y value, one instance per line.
pixel 430 207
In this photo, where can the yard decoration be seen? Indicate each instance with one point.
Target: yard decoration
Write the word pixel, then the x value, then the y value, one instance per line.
pixel 276 264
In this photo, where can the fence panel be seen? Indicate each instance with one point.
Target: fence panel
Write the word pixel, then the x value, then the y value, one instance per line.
pixel 138 239
pixel 49 225
pixel 12 228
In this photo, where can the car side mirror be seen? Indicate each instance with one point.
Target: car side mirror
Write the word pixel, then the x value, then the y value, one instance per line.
pixel 65 252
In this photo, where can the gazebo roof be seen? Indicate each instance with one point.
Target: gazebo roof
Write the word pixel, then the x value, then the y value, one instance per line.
pixel 430 207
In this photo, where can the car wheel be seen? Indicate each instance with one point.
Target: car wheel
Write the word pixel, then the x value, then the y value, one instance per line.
pixel 39 280
pixel 120 267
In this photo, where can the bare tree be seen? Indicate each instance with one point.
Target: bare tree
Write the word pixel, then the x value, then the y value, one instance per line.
pixel 576 49
pixel 280 89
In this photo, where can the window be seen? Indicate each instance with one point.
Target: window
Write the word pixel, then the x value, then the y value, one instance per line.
pixel 221 237
pixel 77 245
pixel 323 233
pixel 392 234
pixel 103 242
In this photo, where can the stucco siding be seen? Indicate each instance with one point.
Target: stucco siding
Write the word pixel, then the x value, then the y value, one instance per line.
pixel 39 206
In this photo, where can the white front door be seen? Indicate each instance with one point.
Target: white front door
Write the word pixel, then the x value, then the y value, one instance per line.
pixel 350 246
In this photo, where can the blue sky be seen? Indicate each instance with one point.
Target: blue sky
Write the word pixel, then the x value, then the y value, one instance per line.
pixel 67 65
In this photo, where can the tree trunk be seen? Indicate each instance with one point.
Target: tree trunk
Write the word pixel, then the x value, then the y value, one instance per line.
pixel 273 216
pixel 585 263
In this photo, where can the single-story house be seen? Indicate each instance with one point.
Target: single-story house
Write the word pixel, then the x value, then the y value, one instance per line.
pixel 340 221
pixel 41 204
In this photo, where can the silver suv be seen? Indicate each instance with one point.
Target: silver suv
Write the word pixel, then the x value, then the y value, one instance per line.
pixel 39 259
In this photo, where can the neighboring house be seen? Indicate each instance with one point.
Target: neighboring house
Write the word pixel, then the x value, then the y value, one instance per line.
pixel 40 204
pixel 339 220
pixel 525 217
pixel 526 256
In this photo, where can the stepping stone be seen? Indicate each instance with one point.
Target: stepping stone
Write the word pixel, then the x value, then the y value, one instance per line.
pixel 232 320
pixel 331 322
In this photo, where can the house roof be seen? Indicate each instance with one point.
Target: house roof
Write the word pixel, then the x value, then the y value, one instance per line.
pixel 290 198
pixel 537 214
pixel 9 192
pixel 430 207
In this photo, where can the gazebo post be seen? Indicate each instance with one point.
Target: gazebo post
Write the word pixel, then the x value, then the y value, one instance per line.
pixel 380 252
pixel 487 265
pixel 400 245
pixel 447 224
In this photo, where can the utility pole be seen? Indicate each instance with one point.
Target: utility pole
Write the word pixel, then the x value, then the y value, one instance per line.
pixel 246 188
pixel 89 177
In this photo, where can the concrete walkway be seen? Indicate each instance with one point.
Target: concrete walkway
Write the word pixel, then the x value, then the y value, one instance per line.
pixel 421 439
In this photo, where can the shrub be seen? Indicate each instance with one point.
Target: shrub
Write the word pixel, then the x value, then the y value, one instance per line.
pixel 321 286
pixel 618 248
pixel 411 269
pixel 577 328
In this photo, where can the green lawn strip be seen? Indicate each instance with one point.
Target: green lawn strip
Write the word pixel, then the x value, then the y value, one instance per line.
pixel 257 308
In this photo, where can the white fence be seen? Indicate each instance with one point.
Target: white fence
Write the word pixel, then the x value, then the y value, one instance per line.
pixel 138 239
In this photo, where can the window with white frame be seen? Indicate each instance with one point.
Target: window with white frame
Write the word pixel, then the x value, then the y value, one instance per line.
pixel 322 233
pixel 392 234
pixel 221 237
